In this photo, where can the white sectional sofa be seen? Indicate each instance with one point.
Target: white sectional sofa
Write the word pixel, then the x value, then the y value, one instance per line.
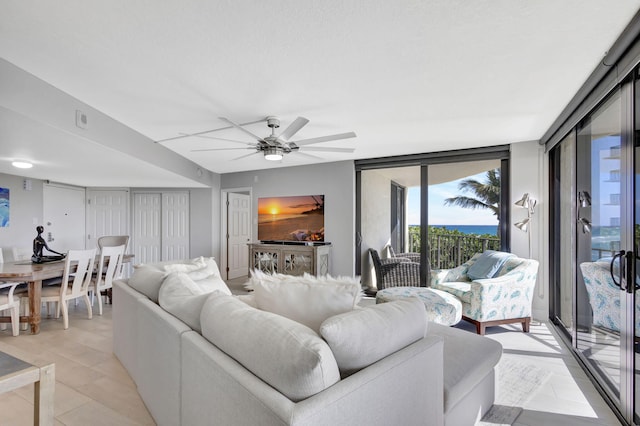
pixel 215 376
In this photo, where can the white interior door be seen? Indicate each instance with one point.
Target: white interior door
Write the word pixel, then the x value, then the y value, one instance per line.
pixel 64 217
pixel 239 234
pixel 147 211
pixel 107 214
pixel 175 225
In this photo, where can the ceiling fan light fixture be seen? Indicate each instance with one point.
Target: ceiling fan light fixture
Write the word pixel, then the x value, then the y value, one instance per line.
pixel 273 154
pixel 22 164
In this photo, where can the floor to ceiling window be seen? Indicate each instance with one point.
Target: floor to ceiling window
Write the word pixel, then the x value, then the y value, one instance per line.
pixel 442 207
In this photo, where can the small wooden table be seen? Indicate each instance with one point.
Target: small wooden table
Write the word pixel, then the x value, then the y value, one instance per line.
pixel 33 274
pixel 15 373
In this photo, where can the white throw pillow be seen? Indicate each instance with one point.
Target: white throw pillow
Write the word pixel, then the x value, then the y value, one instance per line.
pixel 286 355
pixel 363 336
pixel 183 298
pixel 308 300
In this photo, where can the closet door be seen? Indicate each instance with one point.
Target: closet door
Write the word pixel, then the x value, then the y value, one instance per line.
pixel 147 242
pixel 107 214
pixel 175 225
pixel 161 226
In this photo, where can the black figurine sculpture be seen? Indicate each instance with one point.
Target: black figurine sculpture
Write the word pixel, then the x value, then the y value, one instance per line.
pixel 39 244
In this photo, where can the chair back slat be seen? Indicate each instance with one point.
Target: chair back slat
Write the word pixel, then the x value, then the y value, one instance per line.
pixel 110 266
pixel 80 279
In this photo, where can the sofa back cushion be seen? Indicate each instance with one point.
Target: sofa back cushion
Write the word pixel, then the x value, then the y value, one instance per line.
pixel 363 336
pixel 148 277
pixel 287 355
pixel 308 299
pixel 183 298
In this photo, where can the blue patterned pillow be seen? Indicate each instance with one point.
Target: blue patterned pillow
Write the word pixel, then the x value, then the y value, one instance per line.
pixel 488 264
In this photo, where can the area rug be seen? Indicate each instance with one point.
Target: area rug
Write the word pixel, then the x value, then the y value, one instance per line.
pixel 516 382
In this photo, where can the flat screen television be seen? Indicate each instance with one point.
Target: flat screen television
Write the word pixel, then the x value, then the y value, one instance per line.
pixel 297 218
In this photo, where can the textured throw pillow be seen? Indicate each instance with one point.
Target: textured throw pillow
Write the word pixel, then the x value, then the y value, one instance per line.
pixel 286 355
pixel 183 298
pixel 363 336
pixel 308 300
pixel 488 264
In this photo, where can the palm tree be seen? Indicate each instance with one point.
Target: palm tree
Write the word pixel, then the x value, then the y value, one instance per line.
pixel 487 194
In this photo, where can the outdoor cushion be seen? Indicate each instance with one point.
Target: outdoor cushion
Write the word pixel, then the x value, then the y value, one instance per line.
pixel 460 289
pixel 308 300
pixel 287 355
pixel 488 264
pixel 361 337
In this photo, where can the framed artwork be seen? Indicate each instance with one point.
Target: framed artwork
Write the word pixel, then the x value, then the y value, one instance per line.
pixel 4 207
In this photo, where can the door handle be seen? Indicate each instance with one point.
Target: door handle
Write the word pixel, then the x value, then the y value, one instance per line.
pixel 626 273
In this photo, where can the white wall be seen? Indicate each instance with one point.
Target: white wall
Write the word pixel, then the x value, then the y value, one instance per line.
pixel 529 174
pixel 335 180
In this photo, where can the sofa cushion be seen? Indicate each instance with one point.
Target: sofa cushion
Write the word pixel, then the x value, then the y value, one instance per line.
pixel 308 300
pixel 287 355
pixel 148 277
pixel 468 358
pixel 183 298
pixel 488 264
pixel 361 337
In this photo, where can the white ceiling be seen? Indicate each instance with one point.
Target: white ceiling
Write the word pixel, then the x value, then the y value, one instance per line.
pixel 407 76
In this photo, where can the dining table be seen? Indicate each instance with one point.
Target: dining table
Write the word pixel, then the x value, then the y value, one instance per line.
pixel 33 274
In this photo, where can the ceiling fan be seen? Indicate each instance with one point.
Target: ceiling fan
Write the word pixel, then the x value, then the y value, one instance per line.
pixel 275 147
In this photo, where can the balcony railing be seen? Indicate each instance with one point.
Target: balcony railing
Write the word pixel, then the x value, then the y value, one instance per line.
pixel 449 251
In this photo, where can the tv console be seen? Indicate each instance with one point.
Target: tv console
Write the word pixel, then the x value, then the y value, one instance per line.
pixel 296 243
pixel 291 259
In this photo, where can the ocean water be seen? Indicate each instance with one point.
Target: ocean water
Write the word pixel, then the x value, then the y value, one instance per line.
pixel 472 229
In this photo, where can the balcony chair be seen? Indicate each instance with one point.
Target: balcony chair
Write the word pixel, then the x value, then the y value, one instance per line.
pixel 414 257
pixel 395 272
pixel 498 290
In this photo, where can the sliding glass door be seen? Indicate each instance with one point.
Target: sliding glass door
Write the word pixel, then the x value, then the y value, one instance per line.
pixel 594 232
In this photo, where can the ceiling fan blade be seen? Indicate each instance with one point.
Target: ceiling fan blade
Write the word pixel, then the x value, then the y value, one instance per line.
pixel 325 138
pixel 244 156
pixel 218 139
pixel 326 149
pixel 219 149
pixel 293 128
pixel 237 126
pixel 315 157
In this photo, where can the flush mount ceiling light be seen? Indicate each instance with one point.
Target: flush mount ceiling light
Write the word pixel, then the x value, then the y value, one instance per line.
pixel 22 164
pixel 273 154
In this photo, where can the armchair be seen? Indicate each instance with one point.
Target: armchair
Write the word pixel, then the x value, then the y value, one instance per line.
pixel 504 298
pixel 395 272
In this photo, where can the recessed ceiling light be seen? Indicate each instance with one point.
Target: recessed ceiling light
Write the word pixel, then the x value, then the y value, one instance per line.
pixel 22 164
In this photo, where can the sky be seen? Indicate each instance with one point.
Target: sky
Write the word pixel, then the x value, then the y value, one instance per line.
pixel 439 214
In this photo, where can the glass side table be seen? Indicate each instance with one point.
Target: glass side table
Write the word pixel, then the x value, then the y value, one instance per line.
pixel 15 373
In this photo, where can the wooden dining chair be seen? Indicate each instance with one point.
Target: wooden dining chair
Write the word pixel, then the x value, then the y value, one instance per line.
pixel 9 301
pixel 109 268
pixel 75 284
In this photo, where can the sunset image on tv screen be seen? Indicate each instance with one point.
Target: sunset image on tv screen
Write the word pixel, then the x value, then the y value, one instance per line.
pixel 296 218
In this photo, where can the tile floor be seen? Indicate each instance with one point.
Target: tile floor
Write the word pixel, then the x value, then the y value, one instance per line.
pixel 92 388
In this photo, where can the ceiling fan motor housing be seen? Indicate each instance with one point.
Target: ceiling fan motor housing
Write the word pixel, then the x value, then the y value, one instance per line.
pixel 273 122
